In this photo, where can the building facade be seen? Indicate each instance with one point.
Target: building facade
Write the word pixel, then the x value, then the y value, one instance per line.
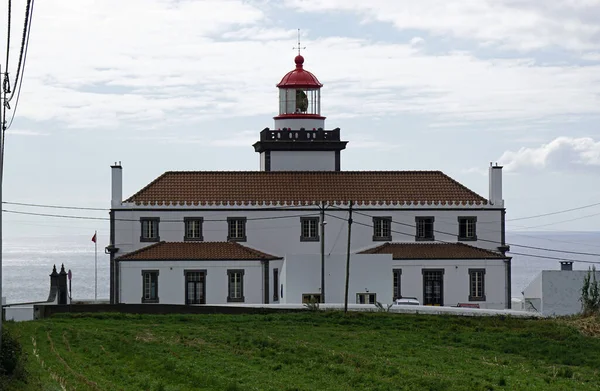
pixel 414 233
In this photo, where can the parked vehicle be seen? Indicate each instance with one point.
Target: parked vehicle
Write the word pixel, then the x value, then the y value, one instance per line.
pixel 407 301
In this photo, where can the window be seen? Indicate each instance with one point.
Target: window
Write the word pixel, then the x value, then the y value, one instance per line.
pixel 476 284
pixel 382 228
pixel 311 298
pixel 193 228
pixel 310 229
pixel 149 286
pixel 424 228
pixel 396 292
pixel 275 284
pixel 236 286
pixel 365 298
pixel 467 228
pixel 149 229
pixel 237 229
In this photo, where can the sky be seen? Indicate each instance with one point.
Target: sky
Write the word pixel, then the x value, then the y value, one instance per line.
pixel 414 85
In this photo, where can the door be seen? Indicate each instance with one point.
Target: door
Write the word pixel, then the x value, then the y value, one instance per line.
pixel 195 288
pixel 433 287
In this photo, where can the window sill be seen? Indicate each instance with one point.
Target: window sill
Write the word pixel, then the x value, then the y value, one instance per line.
pixel 471 298
pixel 200 239
pixel 230 300
pixel 236 239
pixel 419 239
pixel 149 301
pixel 149 240
pixel 473 239
pixel 382 238
pixel 303 239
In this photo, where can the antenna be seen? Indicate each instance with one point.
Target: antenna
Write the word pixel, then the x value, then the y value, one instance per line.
pixel 299 47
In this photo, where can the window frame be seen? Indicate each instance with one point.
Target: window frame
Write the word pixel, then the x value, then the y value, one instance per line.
pixel 155 220
pixel 467 220
pixel 244 237
pixel 368 294
pixel 204 273
pixel 235 299
pixel 423 219
pixel 396 288
pixel 472 273
pixel 309 220
pixel 188 238
pixel 275 284
pixel 381 219
pixel 149 300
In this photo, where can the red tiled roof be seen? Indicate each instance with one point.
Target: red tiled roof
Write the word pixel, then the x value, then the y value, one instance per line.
pixel 433 251
pixel 260 187
pixel 197 251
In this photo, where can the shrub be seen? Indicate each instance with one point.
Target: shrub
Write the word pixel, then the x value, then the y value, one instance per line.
pixel 10 354
pixel 590 293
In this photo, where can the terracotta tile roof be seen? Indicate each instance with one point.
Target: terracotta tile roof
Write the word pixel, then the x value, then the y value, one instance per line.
pixel 433 251
pixel 260 187
pixel 197 251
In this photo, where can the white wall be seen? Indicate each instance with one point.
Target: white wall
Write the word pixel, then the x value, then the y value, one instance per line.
pixel 560 291
pixel 302 161
pixel 171 280
pixel 373 273
pixel 281 236
pixel 297 123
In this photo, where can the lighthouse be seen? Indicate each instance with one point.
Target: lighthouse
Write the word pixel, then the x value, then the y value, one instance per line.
pixel 299 140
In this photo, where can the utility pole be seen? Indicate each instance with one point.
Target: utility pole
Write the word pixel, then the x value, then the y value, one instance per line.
pixel 348 257
pixel 322 252
pixel 3 93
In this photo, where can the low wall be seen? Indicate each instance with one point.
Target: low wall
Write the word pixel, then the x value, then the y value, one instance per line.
pixel 45 311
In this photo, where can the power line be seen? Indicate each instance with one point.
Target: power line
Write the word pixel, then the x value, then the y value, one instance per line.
pixel 22 70
pixel 25 32
pixel 55 206
pixel 445 242
pixel 490 241
pixel 137 220
pixel 555 213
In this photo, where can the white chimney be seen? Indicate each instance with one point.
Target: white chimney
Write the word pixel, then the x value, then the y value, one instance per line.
pixel 117 185
pixel 496 185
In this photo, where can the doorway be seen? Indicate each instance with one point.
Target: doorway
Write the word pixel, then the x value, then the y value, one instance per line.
pixel 195 287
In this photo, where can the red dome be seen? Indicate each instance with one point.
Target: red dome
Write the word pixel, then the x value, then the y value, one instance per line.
pixel 299 78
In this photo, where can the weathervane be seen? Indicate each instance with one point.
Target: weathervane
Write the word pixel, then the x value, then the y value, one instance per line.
pixel 299 44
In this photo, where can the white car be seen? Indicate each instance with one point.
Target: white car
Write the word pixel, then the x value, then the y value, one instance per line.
pixel 407 301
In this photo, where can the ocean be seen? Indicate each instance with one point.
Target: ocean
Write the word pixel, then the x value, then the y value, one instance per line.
pixel 28 262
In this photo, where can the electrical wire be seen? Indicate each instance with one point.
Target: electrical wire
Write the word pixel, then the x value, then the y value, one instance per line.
pixel 445 242
pixel 14 111
pixel 25 32
pixel 137 220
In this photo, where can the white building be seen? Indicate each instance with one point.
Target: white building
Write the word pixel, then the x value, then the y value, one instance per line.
pixel 556 292
pixel 280 234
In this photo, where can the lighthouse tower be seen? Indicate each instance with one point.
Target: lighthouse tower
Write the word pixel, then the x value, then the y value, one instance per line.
pixel 299 141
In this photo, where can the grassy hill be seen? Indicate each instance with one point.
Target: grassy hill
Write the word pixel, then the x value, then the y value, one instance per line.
pixel 306 351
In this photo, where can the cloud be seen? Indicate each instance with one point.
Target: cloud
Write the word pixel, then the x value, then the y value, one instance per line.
pixel 561 154
pixel 510 24
pixel 184 62
pixel 25 132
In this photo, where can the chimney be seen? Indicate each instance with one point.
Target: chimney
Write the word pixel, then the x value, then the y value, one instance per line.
pixel 117 185
pixel 496 185
pixel 566 265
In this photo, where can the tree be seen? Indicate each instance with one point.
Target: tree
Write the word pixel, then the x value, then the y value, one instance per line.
pixel 590 293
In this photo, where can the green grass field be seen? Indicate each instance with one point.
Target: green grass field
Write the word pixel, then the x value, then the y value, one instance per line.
pixel 306 351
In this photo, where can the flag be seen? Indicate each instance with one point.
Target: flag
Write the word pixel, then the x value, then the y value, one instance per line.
pixel 94 238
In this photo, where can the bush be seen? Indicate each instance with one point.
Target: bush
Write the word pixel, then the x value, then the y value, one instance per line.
pixel 590 293
pixel 10 354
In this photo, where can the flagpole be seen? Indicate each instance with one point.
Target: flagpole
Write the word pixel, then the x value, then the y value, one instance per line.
pixel 96 266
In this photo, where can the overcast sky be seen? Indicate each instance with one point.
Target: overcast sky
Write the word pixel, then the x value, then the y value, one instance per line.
pixel 414 85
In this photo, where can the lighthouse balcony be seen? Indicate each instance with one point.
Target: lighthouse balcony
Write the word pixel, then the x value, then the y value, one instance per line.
pixel 302 134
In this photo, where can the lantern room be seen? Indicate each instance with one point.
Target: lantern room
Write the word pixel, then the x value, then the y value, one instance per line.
pixel 299 99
